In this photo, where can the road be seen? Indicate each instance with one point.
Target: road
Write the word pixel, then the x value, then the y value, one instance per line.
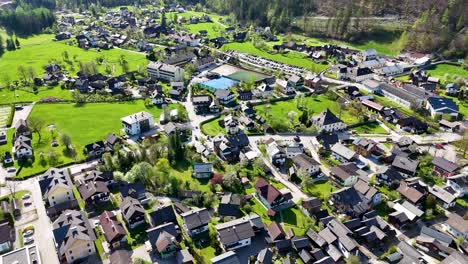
pixel 22 113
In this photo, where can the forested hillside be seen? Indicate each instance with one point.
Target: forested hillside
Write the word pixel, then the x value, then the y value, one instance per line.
pixel 426 25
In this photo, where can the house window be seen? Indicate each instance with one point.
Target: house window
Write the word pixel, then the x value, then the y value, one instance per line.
pixel 70 252
pixel 89 250
pixel 53 197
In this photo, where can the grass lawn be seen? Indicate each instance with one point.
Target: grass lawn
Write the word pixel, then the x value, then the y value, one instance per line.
pixel 9 96
pixel 293 218
pixel 322 189
pixel 372 128
pixel 292 57
pixel 85 124
pixel 77 195
pixel 39 50
pixel 213 128
pixel 279 110
pixel 183 170
pixel 447 72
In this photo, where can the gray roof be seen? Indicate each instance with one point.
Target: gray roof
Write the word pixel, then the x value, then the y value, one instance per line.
pixel 400 93
pixel 234 231
pixel 304 162
pixel 405 163
pixel 196 218
pixel 343 151
pixel 229 257
pixel 442 194
pixel 202 167
pixel 130 206
pixel 445 164
pixel 455 258
pixel 441 237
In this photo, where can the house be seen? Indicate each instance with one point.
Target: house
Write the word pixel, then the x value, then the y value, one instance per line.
pixel 201 103
pixel 184 257
pixel 202 170
pixel 345 242
pixel 7 236
pixel 367 147
pixel 455 258
pixel 196 221
pixel 441 106
pixel 22 148
pixel 277 237
pixel 452 89
pixel 112 140
pixel 162 240
pixel 265 256
pixel 275 153
pixel 133 212
pixel 327 122
pixel 271 197
pixel 371 193
pixel 163 214
pixel 263 91
pixel 73 236
pixel 306 163
pixel 346 174
pixel 285 87
pixel 113 230
pixel 225 97
pixel 158 98
pixel 229 257
pixel 312 204
pixel 56 187
pixel 343 154
pixel 405 166
pixel 459 183
pixel 229 206
pixel 235 233
pixel 165 72
pixel 456 225
pixel 368 54
pixel 446 198
pixel 413 125
pixel 405 213
pixel 389 176
pixel 22 129
pixel 7 159
pixel 244 95
pixel 3 137
pixel 445 168
pixel 229 147
pixel 359 74
pixel 432 241
pixel 413 192
pixel 94 192
pixel 349 201
pixel 296 81
pixel 138 123
pixel 95 150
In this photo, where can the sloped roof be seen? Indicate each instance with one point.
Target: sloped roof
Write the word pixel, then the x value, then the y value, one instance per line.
pixel 266 190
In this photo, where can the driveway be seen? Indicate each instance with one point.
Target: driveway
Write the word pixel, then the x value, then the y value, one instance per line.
pixel 258 243
pixel 22 113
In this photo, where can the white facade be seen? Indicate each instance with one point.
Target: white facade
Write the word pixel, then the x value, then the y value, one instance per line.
pixel 166 72
pixel 22 152
pixel 137 123
pixel 460 191
pixel 239 244
pixel 332 127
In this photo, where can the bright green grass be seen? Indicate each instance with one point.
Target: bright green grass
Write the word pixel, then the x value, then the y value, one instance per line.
pixel 85 124
pixel 322 190
pixel 213 128
pixel 182 171
pixel 279 110
pixel 211 28
pixel 9 96
pixel 292 57
pixel 372 128
pixel 447 72
pixel 39 50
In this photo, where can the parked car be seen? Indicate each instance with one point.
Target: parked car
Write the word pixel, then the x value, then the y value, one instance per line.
pixel 26 196
pixel 28 233
pixel 28 240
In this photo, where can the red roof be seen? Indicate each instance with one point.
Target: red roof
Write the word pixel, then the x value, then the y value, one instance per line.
pixel 271 212
pixel 113 229
pixel 266 190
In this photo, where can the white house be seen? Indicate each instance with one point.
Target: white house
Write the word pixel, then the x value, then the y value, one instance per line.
pixel 263 91
pixel 285 86
pixel 275 153
pixel 327 121
pixel 447 199
pixel 368 54
pixel 22 148
pixel 158 98
pixel 456 225
pixel 341 153
pixel 165 72
pixel 459 183
pixel 138 123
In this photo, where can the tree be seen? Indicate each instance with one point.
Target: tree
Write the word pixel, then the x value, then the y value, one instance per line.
pixel 66 140
pixel 231 181
pixel 292 117
pixel 352 259
pixel 306 180
pixel 52 156
pixel 140 172
pixel 36 125
pixel 2 48
pixel 12 186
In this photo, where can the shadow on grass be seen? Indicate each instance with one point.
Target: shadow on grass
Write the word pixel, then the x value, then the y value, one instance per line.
pixel 288 216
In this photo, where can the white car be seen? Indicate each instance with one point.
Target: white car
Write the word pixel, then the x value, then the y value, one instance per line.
pixel 28 233
pixel 28 240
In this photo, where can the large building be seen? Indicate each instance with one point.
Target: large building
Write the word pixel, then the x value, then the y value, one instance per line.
pixel 165 72
pixel 138 123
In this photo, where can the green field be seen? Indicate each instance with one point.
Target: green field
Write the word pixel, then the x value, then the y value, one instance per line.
pixel 9 96
pixel 447 72
pixel 278 111
pixel 39 50
pixel 85 124
pixel 291 57
pixel 372 128
pixel 213 128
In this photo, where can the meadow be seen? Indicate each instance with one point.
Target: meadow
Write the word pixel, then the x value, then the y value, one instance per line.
pixel 37 51
pixel 84 123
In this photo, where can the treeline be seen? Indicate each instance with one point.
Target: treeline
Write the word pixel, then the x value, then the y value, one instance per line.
pixel 88 3
pixel 26 20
